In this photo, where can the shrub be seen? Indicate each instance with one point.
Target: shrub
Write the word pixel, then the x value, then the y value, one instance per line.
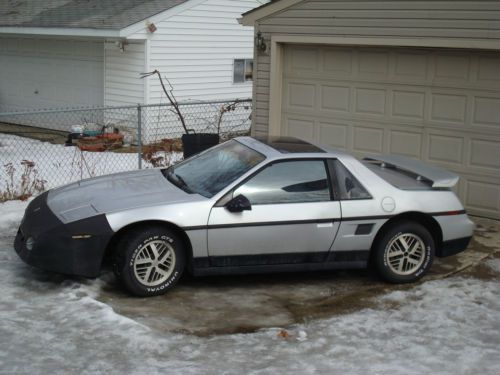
pixel 29 183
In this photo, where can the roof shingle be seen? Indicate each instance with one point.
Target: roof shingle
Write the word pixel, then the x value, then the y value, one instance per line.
pixel 92 14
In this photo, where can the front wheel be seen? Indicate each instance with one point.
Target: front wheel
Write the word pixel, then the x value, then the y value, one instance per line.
pixel 404 253
pixel 149 261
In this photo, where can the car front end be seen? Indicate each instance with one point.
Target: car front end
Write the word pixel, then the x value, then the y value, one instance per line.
pixel 75 248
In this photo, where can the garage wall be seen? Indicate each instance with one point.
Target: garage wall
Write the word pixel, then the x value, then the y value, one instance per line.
pixel 436 105
pixel 450 19
pixel 50 73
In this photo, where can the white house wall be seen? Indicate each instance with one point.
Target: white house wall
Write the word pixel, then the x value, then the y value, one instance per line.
pixel 122 82
pixel 195 49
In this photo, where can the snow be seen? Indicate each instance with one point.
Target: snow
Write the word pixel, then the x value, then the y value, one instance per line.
pixel 59 165
pixel 50 323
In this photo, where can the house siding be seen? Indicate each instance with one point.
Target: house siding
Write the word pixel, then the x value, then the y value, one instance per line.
pixel 195 50
pixel 416 19
pixel 122 82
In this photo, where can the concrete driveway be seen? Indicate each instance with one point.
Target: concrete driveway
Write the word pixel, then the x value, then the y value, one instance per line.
pixel 241 304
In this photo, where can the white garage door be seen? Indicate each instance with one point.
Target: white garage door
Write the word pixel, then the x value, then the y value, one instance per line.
pixel 49 73
pixel 439 106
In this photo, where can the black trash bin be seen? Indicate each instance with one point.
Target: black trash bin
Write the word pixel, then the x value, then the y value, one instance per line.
pixel 193 144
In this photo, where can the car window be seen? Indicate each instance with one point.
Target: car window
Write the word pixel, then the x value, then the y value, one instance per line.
pixel 213 170
pixel 348 186
pixel 288 182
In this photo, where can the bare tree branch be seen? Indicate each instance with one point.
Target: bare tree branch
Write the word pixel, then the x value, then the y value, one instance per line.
pixel 170 96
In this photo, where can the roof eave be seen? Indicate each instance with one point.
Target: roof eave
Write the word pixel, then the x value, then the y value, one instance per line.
pixel 57 31
pixel 249 18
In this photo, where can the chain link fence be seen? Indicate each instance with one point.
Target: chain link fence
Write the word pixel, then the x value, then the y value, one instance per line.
pixel 47 148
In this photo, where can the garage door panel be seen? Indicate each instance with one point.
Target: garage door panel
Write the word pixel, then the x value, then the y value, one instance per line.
pixel 448 107
pixel 370 101
pixel 408 104
pixel 482 197
pixel 488 72
pixel 435 105
pixel 300 128
pixel 485 154
pixel 405 143
pixel 486 111
pixel 306 59
pixel 335 135
pixel 445 149
pixel 335 98
pixel 368 140
pixel 452 68
pixel 301 95
pixel 338 62
pixel 373 63
pixel 411 66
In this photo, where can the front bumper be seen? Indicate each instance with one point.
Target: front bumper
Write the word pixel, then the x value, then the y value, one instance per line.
pixel 75 248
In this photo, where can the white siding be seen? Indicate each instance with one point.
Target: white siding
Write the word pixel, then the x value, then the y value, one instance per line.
pixel 122 82
pixel 195 50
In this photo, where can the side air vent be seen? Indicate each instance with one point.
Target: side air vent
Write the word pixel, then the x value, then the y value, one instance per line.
pixel 363 229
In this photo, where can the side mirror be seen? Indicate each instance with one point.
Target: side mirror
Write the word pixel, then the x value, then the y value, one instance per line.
pixel 239 203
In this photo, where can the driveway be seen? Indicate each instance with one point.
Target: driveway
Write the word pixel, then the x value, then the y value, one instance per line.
pixel 328 322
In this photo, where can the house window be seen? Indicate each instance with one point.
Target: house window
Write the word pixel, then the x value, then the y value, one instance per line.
pixel 243 70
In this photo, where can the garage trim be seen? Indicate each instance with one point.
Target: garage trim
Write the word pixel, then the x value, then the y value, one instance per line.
pixel 278 43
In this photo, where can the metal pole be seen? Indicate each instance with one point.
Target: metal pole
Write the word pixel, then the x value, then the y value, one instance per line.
pixel 139 135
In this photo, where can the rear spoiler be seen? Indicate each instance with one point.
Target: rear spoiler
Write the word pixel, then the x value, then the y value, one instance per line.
pixel 440 178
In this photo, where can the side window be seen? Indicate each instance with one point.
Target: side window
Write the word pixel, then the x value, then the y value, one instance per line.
pixel 288 182
pixel 242 70
pixel 349 187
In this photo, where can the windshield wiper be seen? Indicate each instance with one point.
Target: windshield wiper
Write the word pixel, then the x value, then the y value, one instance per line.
pixel 178 181
pixel 181 180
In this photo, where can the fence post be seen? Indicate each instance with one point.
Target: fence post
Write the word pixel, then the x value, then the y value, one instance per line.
pixel 139 135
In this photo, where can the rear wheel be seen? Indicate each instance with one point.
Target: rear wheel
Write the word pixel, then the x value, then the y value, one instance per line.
pixel 404 253
pixel 149 261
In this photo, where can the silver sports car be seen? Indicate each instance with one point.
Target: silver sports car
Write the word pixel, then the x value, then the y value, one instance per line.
pixel 249 205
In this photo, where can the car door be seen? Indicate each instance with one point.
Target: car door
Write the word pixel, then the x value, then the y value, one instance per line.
pixel 293 217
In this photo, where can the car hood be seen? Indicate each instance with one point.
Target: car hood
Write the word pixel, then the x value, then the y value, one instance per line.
pixel 117 192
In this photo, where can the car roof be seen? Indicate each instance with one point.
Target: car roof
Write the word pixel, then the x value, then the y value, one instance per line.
pixel 284 147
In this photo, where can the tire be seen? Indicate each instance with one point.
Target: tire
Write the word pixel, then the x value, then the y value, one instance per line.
pixel 149 261
pixel 404 253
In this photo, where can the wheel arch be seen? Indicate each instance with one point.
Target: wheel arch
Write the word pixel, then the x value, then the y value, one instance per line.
pixel 424 219
pixel 111 246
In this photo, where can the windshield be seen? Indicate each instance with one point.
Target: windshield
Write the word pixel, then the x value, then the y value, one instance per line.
pixel 213 170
